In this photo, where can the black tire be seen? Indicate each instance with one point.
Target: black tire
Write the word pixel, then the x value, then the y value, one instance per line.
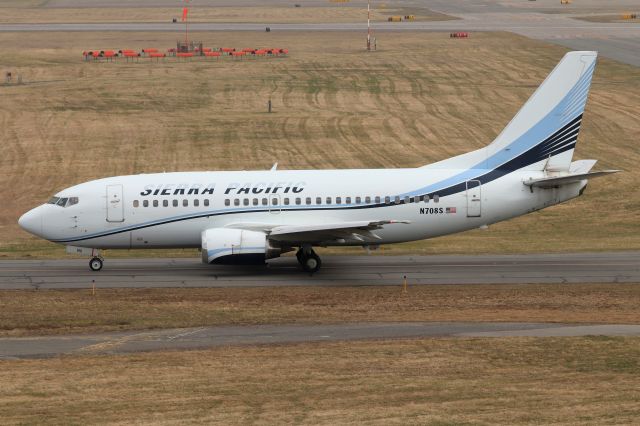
pixel 311 263
pixel 300 256
pixel 95 264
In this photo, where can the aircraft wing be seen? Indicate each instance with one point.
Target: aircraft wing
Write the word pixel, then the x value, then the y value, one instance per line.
pixel 342 232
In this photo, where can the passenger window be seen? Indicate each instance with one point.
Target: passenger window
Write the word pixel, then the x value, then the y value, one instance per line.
pixel 367 200
pixel 387 200
pixel 407 200
pixel 274 201
pixel 286 201
pixel 426 198
pixel 72 201
pixel 328 200
pixel 245 201
pixel 155 203
pixel 338 200
pixel 436 198
pixel 185 203
pixel 145 203
pixel 196 203
pixel 298 201
pixel 348 200
pixel 377 199
pixel 236 202
pixel 397 199
pixel 358 200
pixel 175 203
pixel 206 202
pixel 308 200
pixel 318 200
pixel 227 202
pixel 165 203
pixel 255 201
pixel 265 202
pixel 136 203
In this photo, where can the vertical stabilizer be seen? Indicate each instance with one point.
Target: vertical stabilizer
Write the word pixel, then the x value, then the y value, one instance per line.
pixel 543 134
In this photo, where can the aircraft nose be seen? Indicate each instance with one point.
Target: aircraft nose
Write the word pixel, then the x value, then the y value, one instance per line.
pixel 31 221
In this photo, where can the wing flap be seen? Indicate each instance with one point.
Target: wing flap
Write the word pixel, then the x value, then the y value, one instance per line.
pixel 357 231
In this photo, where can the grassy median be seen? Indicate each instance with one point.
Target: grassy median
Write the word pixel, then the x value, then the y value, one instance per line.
pixel 586 381
pixel 43 312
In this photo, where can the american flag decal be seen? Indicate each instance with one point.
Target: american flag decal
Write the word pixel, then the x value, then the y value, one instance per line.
pixel 450 210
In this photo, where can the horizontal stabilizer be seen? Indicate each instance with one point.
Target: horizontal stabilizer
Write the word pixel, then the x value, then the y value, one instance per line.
pixel 552 182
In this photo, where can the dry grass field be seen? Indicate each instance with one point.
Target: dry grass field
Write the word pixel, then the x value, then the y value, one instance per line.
pixel 267 15
pixel 43 312
pixel 421 98
pixel 515 381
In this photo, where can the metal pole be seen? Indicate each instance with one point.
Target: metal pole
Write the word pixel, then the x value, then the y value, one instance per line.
pixel 368 24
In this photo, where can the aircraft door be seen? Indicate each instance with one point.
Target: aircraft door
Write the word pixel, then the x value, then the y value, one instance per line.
pixel 115 203
pixel 274 203
pixel 474 198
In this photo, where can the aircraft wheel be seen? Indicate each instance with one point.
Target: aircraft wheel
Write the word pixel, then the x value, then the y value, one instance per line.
pixel 311 263
pixel 95 264
pixel 300 256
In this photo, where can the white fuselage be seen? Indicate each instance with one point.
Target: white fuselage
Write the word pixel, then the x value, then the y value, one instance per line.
pixel 173 209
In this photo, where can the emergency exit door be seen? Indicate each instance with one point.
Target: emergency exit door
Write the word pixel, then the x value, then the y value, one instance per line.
pixel 115 204
pixel 474 198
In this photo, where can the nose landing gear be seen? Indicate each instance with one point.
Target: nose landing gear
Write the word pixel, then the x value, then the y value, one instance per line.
pixel 95 264
pixel 309 260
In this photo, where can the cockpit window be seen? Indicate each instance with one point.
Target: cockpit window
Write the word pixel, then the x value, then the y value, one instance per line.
pixel 63 201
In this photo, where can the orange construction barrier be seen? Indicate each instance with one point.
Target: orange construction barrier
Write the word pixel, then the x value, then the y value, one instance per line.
pixel 228 49
pixel 184 54
pixel 156 55
pixel 150 50
pixel 214 54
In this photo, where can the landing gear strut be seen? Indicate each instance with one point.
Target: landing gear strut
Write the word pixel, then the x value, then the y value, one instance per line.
pixel 95 264
pixel 309 260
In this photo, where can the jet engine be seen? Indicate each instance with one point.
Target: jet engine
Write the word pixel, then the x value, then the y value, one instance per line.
pixel 229 246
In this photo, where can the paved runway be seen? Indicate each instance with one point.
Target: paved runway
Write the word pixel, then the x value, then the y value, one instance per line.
pixel 617 267
pixel 208 337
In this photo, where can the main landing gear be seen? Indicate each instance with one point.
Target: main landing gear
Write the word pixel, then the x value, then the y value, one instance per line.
pixel 95 264
pixel 309 260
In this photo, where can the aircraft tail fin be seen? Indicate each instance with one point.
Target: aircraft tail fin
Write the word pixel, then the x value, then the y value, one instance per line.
pixel 543 134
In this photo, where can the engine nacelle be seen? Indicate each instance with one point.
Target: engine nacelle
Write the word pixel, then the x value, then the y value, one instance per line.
pixel 229 246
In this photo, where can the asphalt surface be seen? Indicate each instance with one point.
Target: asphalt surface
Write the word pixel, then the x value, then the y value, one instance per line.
pixel 617 267
pixel 543 20
pixel 210 337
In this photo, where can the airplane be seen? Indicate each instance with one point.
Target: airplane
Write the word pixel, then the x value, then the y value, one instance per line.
pixel 241 217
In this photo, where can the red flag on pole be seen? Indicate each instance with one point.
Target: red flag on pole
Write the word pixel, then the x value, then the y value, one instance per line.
pixel 184 14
